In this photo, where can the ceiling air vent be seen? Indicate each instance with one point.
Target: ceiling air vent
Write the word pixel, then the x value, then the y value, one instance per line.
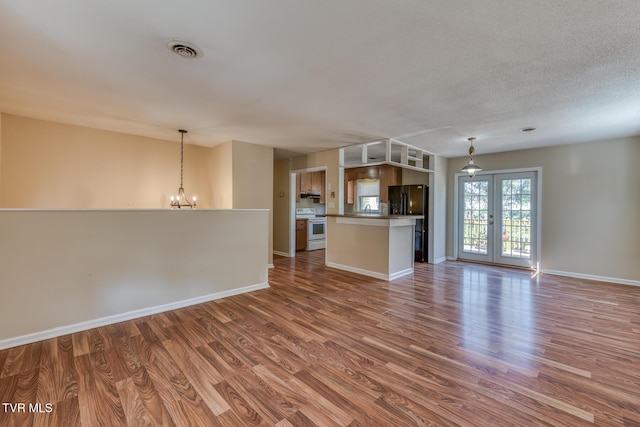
pixel 184 49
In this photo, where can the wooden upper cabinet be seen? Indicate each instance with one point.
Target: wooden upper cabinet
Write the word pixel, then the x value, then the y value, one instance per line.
pixel 389 175
pixel 350 176
pixel 298 176
pixel 305 182
pixel 369 173
pixel 316 181
pixel 350 191
pixel 311 182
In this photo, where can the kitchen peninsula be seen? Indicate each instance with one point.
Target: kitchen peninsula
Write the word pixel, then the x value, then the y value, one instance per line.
pixel 373 245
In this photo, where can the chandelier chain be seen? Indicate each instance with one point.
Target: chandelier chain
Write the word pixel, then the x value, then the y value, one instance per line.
pixel 182 132
pixel 180 201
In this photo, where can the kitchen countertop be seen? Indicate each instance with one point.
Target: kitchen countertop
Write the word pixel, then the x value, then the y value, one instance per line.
pixel 376 216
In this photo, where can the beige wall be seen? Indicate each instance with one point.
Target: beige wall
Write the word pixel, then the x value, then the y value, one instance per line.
pixel 253 180
pixel 221 176
pixel 413 177
pixel 1 117
pixel 439 211
pixel 281 208
pixel 590 204
pixel 73 270
pixel 252 176
pixel 52 165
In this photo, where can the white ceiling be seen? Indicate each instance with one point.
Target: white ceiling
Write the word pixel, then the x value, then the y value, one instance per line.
pixel 310 75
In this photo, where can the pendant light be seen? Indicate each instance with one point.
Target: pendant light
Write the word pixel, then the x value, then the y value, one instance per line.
pixel 180 201
pixel 471 168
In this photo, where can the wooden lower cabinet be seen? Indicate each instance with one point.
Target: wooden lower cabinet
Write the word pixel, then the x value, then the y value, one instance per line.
pixel 301 234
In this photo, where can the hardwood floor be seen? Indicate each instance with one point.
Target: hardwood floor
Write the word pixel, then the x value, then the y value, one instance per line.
pixel 454 344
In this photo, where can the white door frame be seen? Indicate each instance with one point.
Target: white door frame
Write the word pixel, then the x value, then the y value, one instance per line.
pixel 538 220
pixel 292 203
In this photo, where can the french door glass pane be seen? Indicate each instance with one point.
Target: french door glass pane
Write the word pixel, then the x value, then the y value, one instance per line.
pixel 516 218
pixel 476 205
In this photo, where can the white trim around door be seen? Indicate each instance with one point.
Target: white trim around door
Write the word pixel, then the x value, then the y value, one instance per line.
pixel 497 217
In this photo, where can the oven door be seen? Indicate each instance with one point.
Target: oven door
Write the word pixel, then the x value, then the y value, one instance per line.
pixel 316 229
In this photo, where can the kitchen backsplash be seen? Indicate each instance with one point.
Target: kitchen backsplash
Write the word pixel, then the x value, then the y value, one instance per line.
pixel 308 203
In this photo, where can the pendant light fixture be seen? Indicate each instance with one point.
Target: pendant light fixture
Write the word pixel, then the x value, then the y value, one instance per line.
pixel 180 201
pixel 471 168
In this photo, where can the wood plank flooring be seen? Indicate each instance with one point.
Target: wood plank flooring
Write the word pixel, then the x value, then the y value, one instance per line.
pixel 454 344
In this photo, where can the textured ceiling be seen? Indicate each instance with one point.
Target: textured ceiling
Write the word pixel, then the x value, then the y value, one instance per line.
pixel 305 76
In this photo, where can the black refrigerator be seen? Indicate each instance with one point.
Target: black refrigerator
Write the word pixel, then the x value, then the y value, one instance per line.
pixel 412 200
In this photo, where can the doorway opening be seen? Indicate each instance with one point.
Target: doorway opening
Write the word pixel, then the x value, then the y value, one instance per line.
pixel 307 210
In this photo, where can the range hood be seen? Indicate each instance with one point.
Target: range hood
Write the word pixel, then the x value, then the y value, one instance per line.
pixel 309 195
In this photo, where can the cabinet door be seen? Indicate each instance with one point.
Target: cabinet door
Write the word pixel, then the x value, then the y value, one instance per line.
pixel 317 184
pixel 369 172
pixel 323 190
pixel 301 235
pixel 389 175
pixel 316 181
pixel 305 182
pixel 350 191
pixel 349 182
pixel 297 187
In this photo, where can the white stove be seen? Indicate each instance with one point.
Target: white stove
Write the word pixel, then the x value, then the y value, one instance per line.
pixel 305 213
pixel 316 238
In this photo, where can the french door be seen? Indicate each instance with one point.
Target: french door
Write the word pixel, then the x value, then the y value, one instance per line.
pixel 497 217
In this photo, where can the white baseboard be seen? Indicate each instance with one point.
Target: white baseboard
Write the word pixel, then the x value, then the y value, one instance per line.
pixel 439 260
pixel 374 274
pixel 108 320
pixel 592 277
pixel 271 266
pixel 400 273
pixel 450 258
pixel 280 253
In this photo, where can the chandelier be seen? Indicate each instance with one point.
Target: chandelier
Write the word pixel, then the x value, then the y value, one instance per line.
pixel 180 201
pixel 471 168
